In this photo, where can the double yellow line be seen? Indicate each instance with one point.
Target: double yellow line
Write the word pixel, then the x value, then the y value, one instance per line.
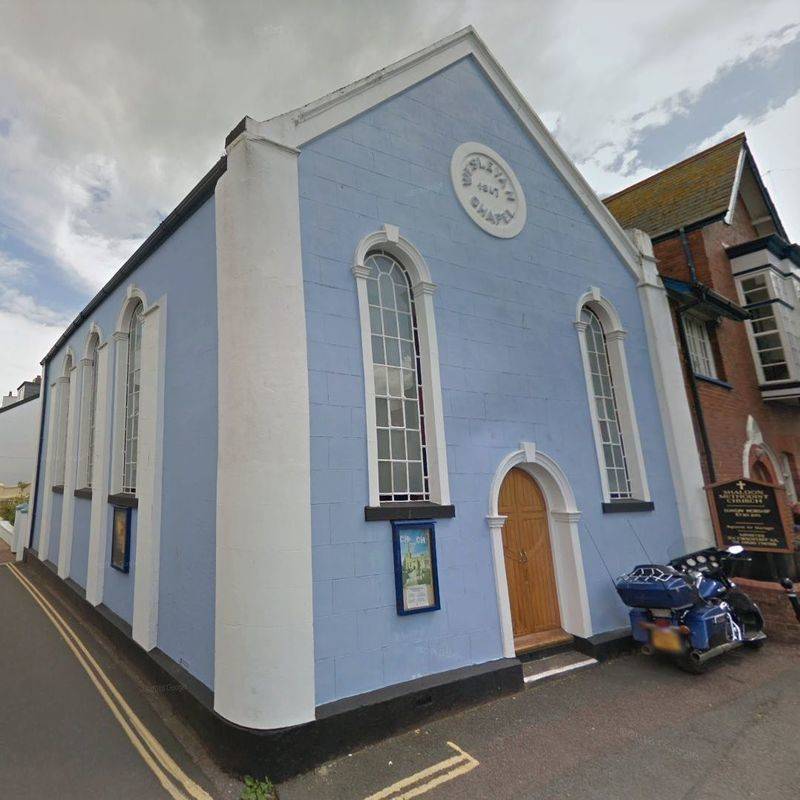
pixel 429 778
pixel 174 780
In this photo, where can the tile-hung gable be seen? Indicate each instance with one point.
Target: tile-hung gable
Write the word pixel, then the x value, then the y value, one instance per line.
pixel 388 366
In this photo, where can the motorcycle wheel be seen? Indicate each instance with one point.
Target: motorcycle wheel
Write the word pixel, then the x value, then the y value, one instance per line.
pixel 690 665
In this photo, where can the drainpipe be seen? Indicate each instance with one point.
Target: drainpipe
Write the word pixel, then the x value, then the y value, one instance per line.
pixel 698 408
pixel 687 251
pixel 43 408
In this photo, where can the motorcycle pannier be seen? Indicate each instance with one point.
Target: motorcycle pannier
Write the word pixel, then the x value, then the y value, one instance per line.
pixel 654 586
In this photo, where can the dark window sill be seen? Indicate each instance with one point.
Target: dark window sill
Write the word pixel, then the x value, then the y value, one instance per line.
pixel 123 500
pixel 397 511
pixel 627 506
pixel 85 493
pixel 58 489
pixel 713 381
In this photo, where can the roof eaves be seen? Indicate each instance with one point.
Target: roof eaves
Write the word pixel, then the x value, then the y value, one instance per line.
pixel 751 162
pixel 672 167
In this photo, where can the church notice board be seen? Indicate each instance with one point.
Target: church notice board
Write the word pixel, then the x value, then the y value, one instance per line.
pixel 752 514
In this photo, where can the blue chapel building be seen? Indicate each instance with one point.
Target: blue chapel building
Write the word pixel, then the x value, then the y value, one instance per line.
pixel 398 310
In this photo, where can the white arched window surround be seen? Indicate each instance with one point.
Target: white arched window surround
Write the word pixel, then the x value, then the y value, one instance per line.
pixel 62 385
pixel 615 345
pixel 149 476
pixel 88 418
pixel 755 440
pixel 135 300
pixel 390 241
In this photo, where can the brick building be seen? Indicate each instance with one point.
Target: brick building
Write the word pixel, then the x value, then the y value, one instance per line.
pixel 734 283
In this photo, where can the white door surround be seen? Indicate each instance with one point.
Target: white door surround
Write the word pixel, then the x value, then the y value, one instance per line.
pixel 563 516
pixel 755 441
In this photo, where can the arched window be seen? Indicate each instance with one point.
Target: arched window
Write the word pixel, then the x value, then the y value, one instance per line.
pixel 132 383
pixel 91 403
pixel 397 372
pixel 407 458
pixel 616 433
pixel 606 409
pixel 63 422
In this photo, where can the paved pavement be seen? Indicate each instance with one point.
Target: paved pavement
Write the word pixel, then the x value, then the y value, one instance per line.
pixel 633 727
pixel 6 554
pixel 59 737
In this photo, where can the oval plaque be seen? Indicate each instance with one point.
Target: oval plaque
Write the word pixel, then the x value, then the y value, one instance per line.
pixel 488 189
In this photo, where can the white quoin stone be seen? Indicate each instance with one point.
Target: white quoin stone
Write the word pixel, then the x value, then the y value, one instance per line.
pixel 264 638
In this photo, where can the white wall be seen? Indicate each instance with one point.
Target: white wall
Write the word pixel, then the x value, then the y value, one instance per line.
pixel 18 433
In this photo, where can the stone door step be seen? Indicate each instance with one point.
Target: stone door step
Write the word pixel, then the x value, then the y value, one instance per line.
pixel 543 668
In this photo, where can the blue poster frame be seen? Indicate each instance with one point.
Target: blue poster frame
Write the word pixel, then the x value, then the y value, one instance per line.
pixel 398 526
pixel 125 564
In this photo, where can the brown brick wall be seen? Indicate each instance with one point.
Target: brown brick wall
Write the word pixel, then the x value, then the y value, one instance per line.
pixel 780 622
pixel 726 410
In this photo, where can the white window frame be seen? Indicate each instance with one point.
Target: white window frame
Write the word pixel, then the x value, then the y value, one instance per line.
pixel 121 340
pixel 701 351
pixel 133 379
pixel 615 345
pixel 64 384
pixel 89 390
pixel 776 299
pixel 390 241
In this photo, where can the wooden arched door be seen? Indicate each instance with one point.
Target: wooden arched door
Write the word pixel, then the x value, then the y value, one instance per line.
pixel 532 592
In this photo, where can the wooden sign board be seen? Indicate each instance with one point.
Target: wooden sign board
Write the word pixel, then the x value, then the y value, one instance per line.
pixel 752 514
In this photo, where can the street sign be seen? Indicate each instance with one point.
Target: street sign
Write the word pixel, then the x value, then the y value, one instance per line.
pixel 752 514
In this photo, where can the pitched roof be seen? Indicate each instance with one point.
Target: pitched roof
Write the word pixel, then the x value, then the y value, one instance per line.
pixel 294 128
pixel 699 188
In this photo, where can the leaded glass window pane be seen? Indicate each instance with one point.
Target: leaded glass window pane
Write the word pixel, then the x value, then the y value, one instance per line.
pixel 605 402
pixel 399 411
pixel 132 401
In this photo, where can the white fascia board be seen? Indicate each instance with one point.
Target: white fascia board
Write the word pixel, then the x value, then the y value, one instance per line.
pixel 296 128
pixel 735 190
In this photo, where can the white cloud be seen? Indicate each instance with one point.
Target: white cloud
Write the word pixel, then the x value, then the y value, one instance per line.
pixel 24 342
pixel 776 149
pixel 11 267
pixel 17 303
pixel 110 112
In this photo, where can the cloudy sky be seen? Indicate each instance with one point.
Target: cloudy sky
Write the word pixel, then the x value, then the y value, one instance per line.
pixel 110 111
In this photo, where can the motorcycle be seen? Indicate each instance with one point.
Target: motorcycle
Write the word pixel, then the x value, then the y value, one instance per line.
pixel 791 596
pixel 690 609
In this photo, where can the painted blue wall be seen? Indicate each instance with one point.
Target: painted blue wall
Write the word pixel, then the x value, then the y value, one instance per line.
pixel 55 529
pixel 79 561
pixel 511 372
pixel 184 270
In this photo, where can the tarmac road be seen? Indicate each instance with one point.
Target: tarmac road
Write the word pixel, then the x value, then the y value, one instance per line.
pixel 74 725
pixel 633 727
pixel 76 732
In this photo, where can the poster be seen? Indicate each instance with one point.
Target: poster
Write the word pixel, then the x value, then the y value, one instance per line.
pixel 749 513
pixel 416 579
pixel 121 539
